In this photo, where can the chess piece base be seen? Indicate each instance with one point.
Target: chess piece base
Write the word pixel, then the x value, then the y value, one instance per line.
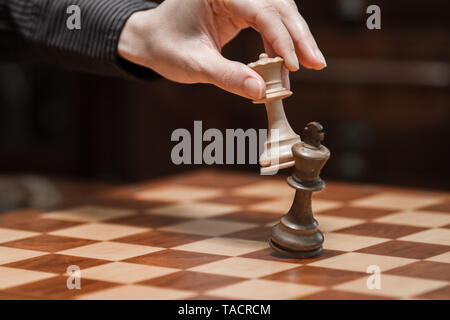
pixel 273 169
pixel 293 253
pixel 297 243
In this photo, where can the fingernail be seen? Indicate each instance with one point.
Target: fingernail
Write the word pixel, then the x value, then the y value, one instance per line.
pixel 294 61
pixel 319 56
pixel 252 88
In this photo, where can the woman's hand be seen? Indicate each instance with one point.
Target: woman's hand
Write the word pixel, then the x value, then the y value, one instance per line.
pixel 182 40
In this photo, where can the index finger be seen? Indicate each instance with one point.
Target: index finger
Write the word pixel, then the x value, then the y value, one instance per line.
pixel 306 47
pixel 264 17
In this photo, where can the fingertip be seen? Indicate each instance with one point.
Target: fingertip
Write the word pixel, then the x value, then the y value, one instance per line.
pixel 321 58
pixel 291 62
pixel 313 61
pixel 310 55
pixel 292 68
pixel 321 67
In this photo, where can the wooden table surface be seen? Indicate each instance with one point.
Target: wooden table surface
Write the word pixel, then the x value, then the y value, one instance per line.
pixel 203 235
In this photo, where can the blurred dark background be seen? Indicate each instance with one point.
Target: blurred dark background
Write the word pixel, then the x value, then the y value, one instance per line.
pixel 383 100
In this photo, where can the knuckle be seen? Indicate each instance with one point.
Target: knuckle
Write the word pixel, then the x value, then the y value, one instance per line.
pixel 264 13
pixel 292 4
pixel 286 7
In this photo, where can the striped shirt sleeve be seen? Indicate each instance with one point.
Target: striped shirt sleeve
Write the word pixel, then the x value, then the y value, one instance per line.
pixel 42 25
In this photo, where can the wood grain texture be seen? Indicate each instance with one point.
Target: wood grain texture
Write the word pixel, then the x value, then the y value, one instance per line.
pixel 126 249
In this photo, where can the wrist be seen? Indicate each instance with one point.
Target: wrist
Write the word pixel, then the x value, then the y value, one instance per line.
pixel 132 44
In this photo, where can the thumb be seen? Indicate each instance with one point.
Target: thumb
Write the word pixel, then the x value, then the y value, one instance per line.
pixel 234 77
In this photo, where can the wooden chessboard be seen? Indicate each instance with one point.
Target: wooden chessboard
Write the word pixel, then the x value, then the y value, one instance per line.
pixel 204 235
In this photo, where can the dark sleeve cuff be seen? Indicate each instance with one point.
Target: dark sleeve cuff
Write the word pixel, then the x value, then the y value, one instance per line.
pixel 93 47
